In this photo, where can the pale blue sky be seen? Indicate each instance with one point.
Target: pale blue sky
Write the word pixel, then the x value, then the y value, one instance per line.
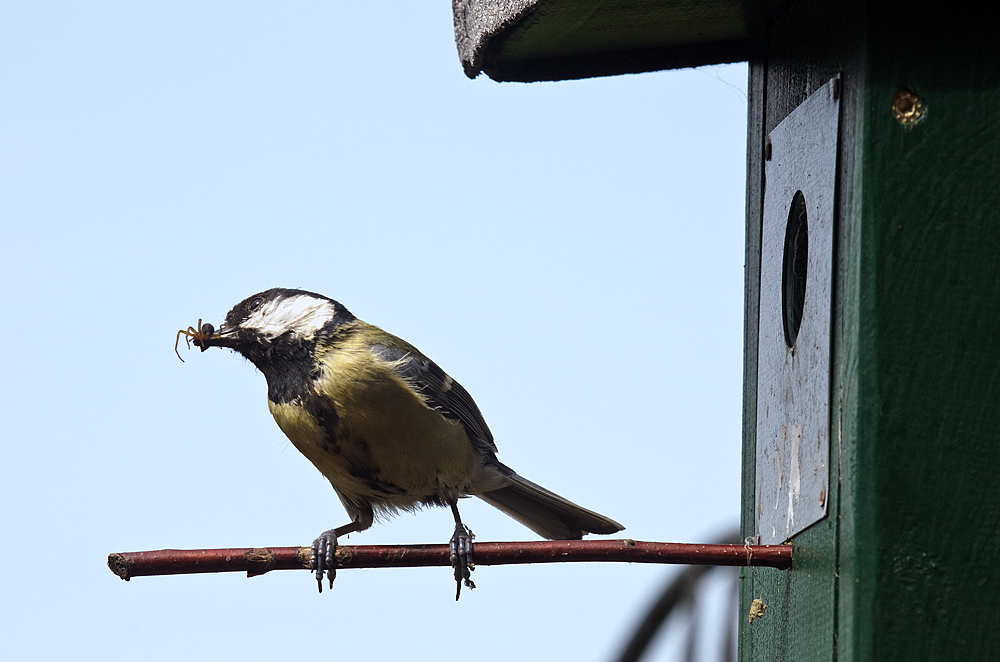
pixel 571 252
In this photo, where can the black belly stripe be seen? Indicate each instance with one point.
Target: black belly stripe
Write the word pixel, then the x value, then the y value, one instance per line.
pixel 384 488
pixel 325 412
pixel 361 465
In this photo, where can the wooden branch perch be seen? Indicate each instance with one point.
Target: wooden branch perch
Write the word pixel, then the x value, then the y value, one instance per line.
pixel 258 560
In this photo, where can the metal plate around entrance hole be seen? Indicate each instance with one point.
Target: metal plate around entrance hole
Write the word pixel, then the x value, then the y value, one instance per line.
pixel 793 370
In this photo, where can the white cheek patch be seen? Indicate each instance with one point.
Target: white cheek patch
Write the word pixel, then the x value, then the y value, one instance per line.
pixel 302 315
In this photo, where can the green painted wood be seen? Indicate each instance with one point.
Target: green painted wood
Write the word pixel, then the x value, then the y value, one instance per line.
pixel 751 301
pixel 907 564
pixel 927 508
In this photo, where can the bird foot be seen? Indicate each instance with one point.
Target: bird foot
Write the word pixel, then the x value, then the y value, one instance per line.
pixel 324 557
pixel 460 548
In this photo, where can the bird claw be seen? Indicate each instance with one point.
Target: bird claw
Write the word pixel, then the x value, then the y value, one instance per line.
pixel 460 555
pixel 324 557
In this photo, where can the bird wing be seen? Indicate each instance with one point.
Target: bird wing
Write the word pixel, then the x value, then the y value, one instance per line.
pixel 440 391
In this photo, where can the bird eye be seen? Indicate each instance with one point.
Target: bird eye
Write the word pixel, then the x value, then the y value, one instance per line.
pixel 256 303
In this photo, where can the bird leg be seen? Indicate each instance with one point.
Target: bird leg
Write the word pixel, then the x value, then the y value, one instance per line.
pixel 460 548
pixel 324 552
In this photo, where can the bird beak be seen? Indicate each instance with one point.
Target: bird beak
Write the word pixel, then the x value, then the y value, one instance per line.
pixel 224 337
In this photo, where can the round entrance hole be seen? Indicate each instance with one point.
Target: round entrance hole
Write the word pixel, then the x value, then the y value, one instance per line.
pixel 794 268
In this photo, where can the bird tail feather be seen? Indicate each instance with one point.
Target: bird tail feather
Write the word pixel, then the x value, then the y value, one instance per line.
pixel 546 513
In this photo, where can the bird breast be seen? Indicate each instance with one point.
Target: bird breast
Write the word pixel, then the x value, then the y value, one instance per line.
pixel 373 437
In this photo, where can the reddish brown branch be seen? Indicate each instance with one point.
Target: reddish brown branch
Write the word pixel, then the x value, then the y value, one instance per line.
pixel 259 560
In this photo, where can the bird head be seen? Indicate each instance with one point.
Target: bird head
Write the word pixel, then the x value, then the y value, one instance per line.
pixel 269 325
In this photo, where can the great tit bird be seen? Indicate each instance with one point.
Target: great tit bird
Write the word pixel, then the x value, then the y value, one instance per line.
pixel 386 426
